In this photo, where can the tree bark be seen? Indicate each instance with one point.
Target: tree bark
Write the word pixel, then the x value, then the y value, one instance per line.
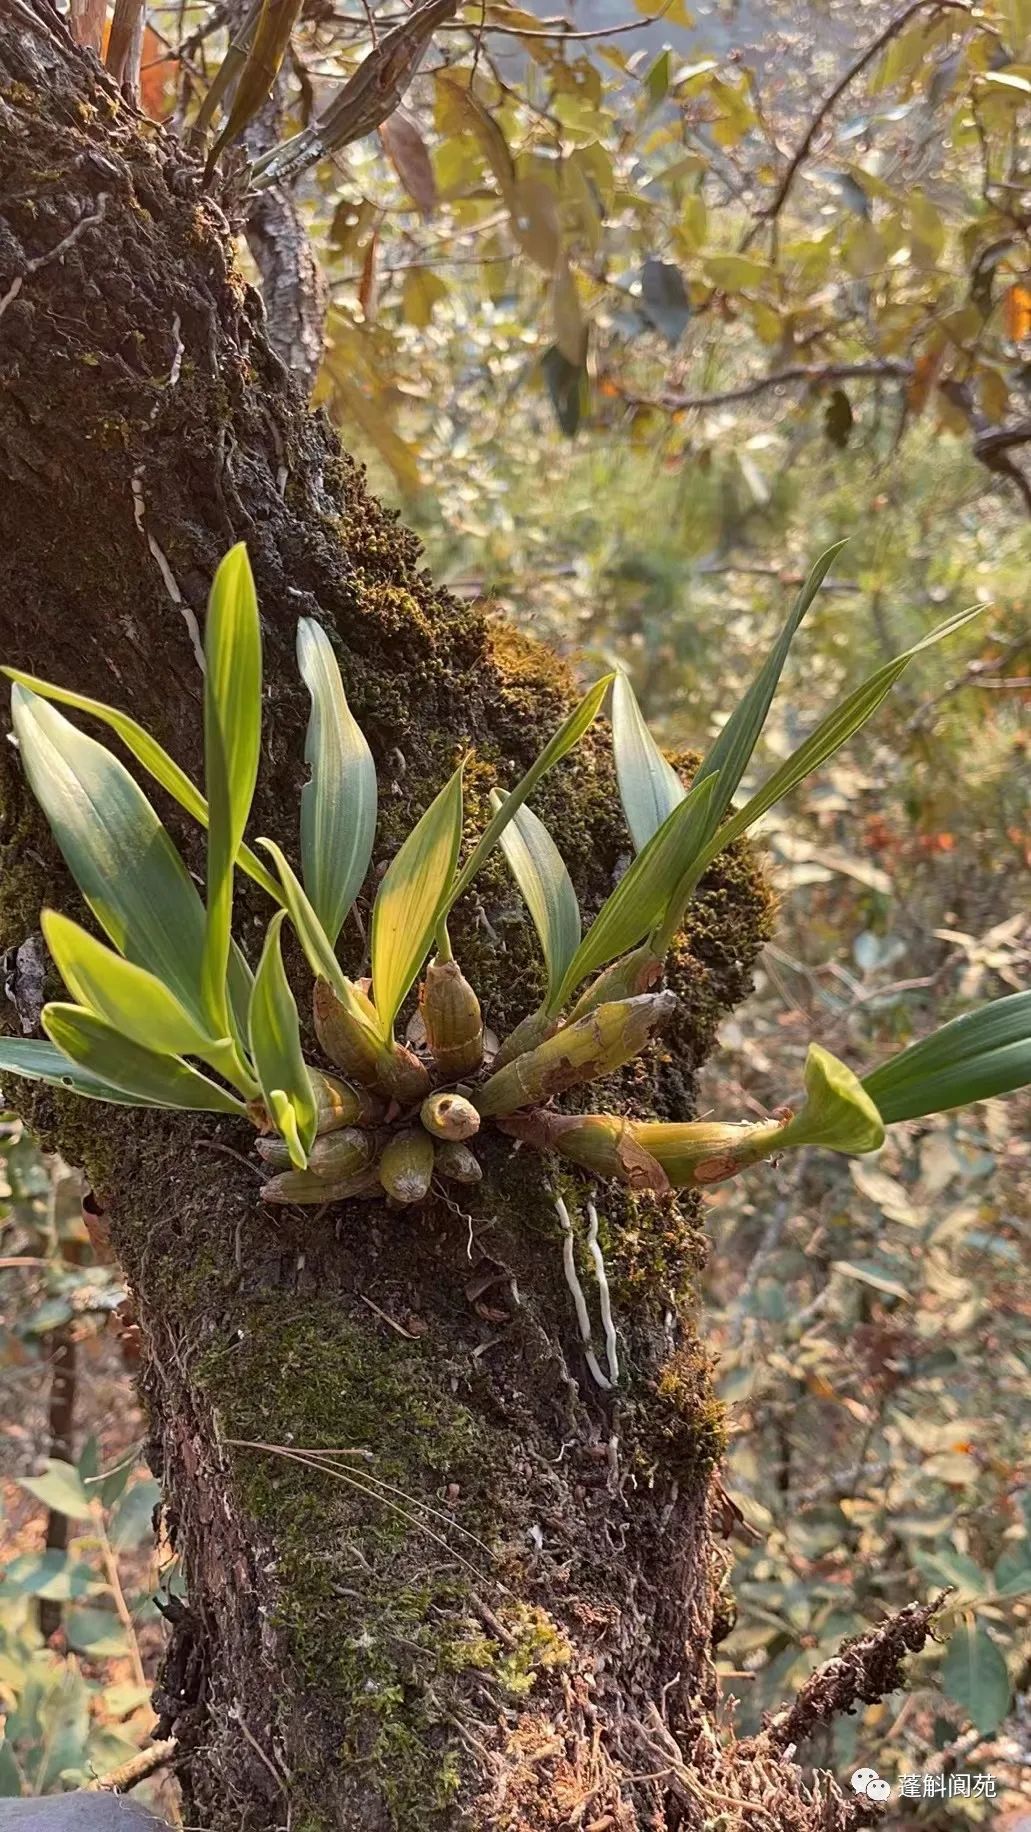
pixel 502 1613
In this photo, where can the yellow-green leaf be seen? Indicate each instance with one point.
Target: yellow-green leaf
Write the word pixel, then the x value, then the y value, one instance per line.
pixel 163 1081
pixel 838 1113
pixel 649 787
pixel 232 742
pixel 569 734
pixel 275 1040
pixel 136 1002
pixel 34 1060
pixel 151 755
pixel 115 848
pixel 643 892
pixel 409 898
pixel 829 736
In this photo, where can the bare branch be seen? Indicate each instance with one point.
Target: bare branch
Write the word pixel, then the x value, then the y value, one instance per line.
pixel 797 374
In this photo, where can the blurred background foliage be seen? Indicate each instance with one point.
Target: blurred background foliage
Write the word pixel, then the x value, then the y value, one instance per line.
pixel 630 326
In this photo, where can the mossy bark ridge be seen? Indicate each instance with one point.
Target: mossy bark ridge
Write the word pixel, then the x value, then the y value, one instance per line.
pixel 476 1615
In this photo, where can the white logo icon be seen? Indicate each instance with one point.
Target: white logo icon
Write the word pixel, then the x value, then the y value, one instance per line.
pixel 867 1781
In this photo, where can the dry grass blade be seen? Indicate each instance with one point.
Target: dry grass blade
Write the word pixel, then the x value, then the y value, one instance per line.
pixel 321 1460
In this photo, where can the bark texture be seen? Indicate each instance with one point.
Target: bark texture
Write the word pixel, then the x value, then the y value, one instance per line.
pixel 503 1615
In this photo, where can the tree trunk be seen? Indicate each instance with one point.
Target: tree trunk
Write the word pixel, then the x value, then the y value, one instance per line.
pixel 503 1617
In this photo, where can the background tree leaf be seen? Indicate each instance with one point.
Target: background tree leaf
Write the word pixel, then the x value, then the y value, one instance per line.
pixel 974 1676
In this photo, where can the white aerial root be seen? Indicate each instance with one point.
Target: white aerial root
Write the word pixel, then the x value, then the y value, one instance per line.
pixel 604 1300
pixel 580 1302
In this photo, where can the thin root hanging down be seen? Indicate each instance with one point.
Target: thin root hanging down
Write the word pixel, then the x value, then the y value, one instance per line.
pixel 606 1382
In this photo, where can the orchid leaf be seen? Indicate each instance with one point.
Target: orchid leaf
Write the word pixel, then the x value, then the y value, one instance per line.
pixel 338 803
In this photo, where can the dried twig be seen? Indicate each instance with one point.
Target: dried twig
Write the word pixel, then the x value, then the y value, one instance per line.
pixel 130 1774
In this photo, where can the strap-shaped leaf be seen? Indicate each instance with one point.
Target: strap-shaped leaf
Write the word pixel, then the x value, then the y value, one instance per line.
pixel 729 755
pixel 540 872
pixel 152 756
pixel 569 733
pixel 649 787
pixel 34 1060
pixel 136 1002
pixel 409 899
pixel 310 933
pixel 981 1054
pixel 338 803
pixel 834 731
pixel 232 744
pixel 163 1081
pixel 115 848
pixel 643 892
pixel 313 938
pixel 275 1038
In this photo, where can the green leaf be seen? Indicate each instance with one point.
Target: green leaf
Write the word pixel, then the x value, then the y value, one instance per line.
pixel 730 754
pixel 984 1053
pixel 569 734
pixel 60 1488
pixel 53 1575
pixel 637 903
pixel 275 1038
pixel 232 745
pixel 152 756
pixel 834 731
pixel 540 872
pixel 310 933
pixel 568 385
pixel 115 847
pixel 163 1081
pixel 131 1521
pixel 409 900
pixel 338 803
pixel 649 786
pixel 34 1060
pixel 838 1114
pixel 134 1001
pixel 974 1676
pixel 96 1632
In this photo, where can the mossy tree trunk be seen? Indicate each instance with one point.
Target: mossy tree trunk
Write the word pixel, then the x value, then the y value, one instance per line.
pixel 504 1618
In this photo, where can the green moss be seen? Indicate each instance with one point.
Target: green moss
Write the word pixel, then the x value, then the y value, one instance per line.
pixel 372 1636
pixel 683 1430
pixel 540 1647
pixel 25 868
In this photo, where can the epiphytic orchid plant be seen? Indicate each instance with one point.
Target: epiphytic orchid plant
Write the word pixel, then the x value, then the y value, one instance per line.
pixel 169 1013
